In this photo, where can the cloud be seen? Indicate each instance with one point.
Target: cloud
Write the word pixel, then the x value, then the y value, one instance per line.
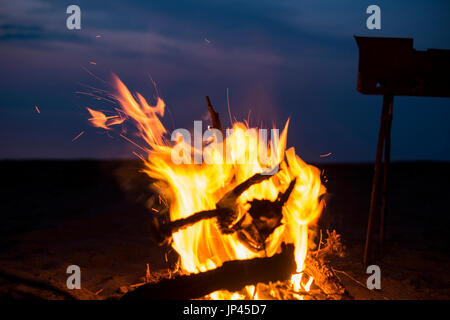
pixel 11 32
pixel 296 57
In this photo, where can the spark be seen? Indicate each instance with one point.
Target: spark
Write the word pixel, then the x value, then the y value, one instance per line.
pixel 155 210
pixel 96 97
pixel 207 41
pixel 93 63
pixel 85 69
pixel 133 143
pixel 228 103
pixel 37 109
pixel 98 36
pixel 98 292
pixel 326 155
pixel 147 275
pixel 138 155
pixel 79 135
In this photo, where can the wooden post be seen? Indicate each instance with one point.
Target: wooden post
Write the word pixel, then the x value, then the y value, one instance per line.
pixel 387 159
pixel 387 100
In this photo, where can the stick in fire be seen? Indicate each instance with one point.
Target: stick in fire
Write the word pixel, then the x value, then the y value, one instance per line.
pixel 266 216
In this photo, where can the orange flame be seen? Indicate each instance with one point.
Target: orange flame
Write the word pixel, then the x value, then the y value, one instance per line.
pixel 100 120
pixel 193 188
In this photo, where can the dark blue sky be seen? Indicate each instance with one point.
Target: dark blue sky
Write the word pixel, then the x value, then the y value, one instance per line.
pixel 279 59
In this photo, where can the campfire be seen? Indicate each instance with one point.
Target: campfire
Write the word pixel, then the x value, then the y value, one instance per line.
pixel 240 212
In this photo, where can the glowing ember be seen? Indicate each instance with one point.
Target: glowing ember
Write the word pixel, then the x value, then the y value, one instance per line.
pixel 77 136
pixel 191 188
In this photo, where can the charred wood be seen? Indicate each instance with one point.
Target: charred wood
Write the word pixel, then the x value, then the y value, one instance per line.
pixel 232 276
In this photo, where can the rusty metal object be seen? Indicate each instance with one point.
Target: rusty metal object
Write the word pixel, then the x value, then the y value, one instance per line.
pixel 390 67
pixel 393 66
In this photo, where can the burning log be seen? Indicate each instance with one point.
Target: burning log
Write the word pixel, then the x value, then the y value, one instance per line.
pixel 266 273
pixel 266 216
pixel 225 212
pixel 232 276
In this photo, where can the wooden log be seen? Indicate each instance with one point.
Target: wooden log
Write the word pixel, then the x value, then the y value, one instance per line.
pixel 225 211
pixel 232 276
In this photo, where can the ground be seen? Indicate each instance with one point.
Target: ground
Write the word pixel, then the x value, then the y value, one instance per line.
pixel 94 214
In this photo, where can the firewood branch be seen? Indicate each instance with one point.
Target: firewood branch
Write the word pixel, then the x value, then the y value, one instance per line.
pixel 225 212
pixel 232 276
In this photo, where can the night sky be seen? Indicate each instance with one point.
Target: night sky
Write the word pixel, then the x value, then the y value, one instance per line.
pixel 279 59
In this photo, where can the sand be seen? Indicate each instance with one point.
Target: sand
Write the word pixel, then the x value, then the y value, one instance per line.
pixel 93 214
